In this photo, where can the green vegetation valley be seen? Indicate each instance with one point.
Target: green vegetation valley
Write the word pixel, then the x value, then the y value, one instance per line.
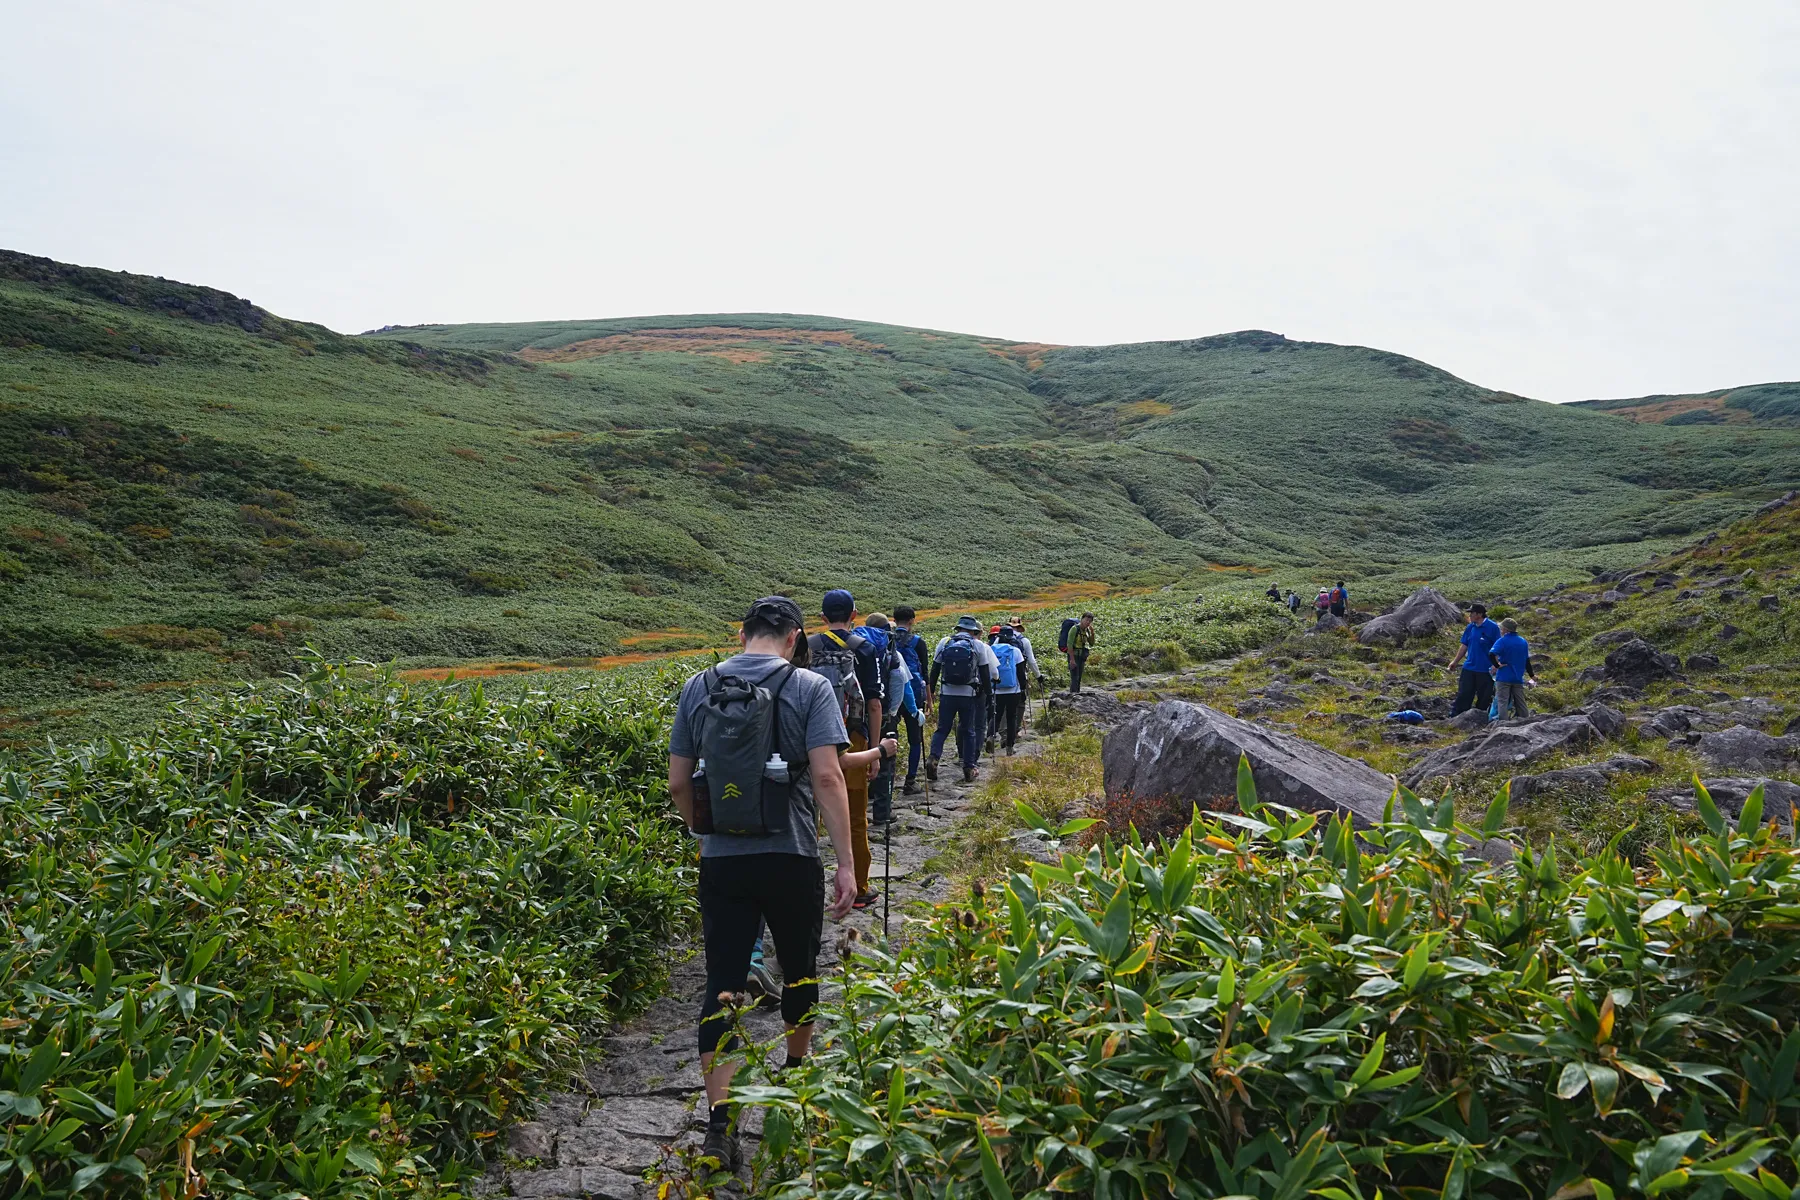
pixel 329 929
pixel 192 489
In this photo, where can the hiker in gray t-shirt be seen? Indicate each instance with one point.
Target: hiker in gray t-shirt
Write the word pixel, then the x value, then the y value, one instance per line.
pixel 747 881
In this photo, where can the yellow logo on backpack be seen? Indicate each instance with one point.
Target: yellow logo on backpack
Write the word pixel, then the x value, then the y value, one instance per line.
pixel 731 792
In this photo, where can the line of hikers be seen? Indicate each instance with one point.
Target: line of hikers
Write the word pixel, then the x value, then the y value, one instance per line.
pixel 797 730
pixel 1334 600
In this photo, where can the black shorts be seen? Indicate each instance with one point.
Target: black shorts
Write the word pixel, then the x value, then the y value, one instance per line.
pixel 737 894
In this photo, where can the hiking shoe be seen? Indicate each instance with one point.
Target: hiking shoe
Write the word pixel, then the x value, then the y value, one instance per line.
pixel 722 1146
pixel 762 986
pixel 1010 751
pixel 865 899
pixel 968 774
pixel 911 788
pixel 931 769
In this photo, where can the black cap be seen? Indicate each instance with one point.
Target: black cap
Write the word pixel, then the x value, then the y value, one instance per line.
pixel 778 611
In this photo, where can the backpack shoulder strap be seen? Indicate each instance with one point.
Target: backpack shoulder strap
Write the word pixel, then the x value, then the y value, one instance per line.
pixel 832 634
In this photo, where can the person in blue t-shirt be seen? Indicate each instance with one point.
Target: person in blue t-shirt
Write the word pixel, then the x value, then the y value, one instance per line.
pixel 1511 657
pixel 1475 686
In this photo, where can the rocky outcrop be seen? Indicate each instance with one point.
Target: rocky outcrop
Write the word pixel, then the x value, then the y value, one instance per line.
pixel 1638 664
pixel 1103 707
pixel 1513 743
pixel 1742 748
pixel 1421 614
pixel 1592 777
pixel 1190 752
pixel 1779 796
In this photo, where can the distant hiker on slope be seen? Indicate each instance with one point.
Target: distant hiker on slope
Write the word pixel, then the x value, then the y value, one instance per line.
pixel 1511 657
pixel 1321 604
pixel 753 767
pixel 850 662
pixel 1475 687
pixel 1340 599
pixel 961 666
pixel 1293 603
pixel 1079 641
pixel 912 649
pixel 1274 593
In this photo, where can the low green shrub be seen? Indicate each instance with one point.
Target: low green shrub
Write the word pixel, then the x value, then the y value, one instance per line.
pixel 321 939
pixel 1273 1009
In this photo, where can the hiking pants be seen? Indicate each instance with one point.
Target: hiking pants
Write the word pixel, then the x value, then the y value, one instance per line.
pixel 915 745
pixel 738 893
pixel 856 782
pixel 1077 664
pixel 1475 689
pixel 1512 700
pixel 1010 709
pixel 965 711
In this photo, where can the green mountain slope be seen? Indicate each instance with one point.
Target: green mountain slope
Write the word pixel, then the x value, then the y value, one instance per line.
pixel 1762 403
pixel 191 487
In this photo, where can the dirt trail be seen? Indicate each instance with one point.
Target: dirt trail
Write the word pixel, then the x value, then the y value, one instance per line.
pixel 639 1101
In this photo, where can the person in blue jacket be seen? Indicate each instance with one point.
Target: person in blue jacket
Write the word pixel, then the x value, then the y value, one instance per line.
pixel 1475 686
pixel 1511 657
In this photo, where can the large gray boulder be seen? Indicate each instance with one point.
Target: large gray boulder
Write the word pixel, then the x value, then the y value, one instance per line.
pixel 1593 777
pixel 1638 664
pixel 1779 796
pixel 1742 748
pixel 1420 615
pixel 1513 743
pixel 1190 752
pixel 1103 707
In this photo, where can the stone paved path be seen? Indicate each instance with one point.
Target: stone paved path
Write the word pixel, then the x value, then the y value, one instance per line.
pixel 639 1099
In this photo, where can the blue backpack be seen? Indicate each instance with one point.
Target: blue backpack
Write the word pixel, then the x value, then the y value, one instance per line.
pixel 1008 656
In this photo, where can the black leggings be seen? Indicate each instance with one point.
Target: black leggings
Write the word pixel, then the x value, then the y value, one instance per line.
pixel 738 893
pixel 1010 709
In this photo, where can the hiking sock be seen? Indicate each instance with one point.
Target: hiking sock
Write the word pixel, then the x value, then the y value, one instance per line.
pixel 719 1116
pixel 793 1060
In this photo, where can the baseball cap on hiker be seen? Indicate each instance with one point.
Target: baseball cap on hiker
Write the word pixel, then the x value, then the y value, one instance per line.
pixel 837 605
pixel 968 623
pixel 778 611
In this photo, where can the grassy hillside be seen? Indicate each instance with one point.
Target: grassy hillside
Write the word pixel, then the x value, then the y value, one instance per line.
pixel 1763 403
pixel 191 487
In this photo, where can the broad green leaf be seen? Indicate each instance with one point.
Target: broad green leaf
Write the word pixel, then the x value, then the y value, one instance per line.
pixel 1371 1063
pixel 1573 1082
pixel 1031 817
pixel 1751 815
pixel 1495 820
pixel 1664 1154
pixel 1070 828
pixel 1417 961
pixel 1139 959
pixel 1115 926
pixel 364 1158
pixel 1227 984
pixel 1659 910
pixel 1379 985
pixel 1246 786
pixel 896 1096
pixel 1606 1086
pixel 1709 812
pixel 991 1174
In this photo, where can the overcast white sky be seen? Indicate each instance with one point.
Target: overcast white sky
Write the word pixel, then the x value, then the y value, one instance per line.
pixel 1563 200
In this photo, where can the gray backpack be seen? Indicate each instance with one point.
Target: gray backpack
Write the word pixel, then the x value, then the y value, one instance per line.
pixel 738 730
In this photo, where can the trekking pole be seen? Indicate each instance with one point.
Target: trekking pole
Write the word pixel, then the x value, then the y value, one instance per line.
pixel 887 864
